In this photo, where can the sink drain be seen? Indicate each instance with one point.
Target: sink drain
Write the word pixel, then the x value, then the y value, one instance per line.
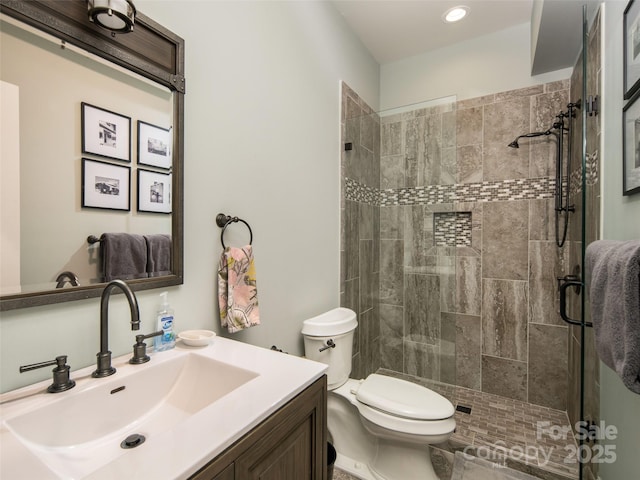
pixel 132 441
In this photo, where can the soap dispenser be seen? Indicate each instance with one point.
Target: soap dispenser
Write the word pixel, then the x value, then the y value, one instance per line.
pixel 167 340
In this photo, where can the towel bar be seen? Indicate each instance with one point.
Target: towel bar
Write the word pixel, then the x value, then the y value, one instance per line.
pixel 91 239
pixel 223 221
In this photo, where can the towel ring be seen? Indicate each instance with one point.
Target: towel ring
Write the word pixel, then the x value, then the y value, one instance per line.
pixel 223 221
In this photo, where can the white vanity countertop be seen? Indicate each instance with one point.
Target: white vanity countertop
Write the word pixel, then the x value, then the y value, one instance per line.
pixel 181 451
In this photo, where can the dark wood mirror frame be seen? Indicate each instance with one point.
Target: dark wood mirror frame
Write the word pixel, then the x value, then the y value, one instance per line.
pixel 151 51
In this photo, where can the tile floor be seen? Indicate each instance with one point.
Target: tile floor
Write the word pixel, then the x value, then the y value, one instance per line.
pixel 525 437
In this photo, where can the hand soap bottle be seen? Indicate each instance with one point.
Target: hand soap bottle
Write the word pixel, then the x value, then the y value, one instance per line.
pixel 167 340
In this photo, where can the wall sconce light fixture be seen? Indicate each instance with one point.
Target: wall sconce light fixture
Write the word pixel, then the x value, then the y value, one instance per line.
pixel 115 15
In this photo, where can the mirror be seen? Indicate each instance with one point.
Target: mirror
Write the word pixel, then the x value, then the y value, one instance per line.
pixel 71 77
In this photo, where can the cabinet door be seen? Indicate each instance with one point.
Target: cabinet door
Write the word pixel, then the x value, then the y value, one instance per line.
pixel 289 445
pixel 294 448
pixel 226 474
pixel 207 473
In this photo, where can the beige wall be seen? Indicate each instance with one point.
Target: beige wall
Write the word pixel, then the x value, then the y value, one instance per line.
pixel 9 188
pixel 261 142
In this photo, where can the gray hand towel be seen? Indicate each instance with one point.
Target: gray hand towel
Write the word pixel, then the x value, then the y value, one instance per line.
pixel 613 280
pixel 158 255
pixel 124 256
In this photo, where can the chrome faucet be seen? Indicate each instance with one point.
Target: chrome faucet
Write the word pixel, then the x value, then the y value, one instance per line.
pixel 104 356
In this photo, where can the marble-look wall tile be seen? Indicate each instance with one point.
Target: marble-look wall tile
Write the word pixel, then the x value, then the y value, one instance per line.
pixel 392 222
pixel 519 92
pixel 368 125
pixel 392 172
pixel 391 139
pixel 365 221
pixel 503 122
pixel 545 266
pixel 351 228
pixel 469 126
pixel 368 167
pixel 391 337
pixel 445 267
pixel 447 350
pixel 476 102
pixel 448 167
pixel 422 360
pixel 469 158
pixel 422 308
pixel 449 129
pixel 544 109
pixel 504 377
pixel 423 143
pixel 542 222
pixel 391 272
pixel 367 294
pixel 468 351
pixel 468 285
pixel 418 235
pixel 351 300
pixel 548 365
pixel 505 233
pixel 504 318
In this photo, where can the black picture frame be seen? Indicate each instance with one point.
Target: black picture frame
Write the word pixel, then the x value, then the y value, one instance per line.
pixel 154 191
pixel 631 146
pixel 154 145
pixel 105 133
pixel 631 28
pixel 105 185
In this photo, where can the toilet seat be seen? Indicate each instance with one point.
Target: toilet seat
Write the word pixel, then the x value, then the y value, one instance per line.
pixel 403 406
pixel 403 399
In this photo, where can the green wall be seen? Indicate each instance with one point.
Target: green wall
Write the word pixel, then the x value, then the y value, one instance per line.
pixel 620 220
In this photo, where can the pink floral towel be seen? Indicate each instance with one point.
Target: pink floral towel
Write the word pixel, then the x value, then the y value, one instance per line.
pixel 237 293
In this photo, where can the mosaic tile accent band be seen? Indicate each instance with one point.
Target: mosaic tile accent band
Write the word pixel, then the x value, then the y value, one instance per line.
pixel 505 190
pixel 452 229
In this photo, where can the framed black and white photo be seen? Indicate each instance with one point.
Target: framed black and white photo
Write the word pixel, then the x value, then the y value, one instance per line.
pixel 154 191
pixel 154 145
pixel 105 185
pixel 631 48
pixel 631 139
pixel 105 133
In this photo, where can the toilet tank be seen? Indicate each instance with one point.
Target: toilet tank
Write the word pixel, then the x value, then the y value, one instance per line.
pixel 335 326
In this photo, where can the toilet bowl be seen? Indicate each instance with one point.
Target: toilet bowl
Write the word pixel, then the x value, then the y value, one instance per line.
pixel 381 426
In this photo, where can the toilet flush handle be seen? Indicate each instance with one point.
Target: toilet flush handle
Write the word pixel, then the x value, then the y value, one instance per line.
pixel 329 344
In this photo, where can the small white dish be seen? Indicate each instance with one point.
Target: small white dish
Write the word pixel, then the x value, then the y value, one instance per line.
pixel 196 338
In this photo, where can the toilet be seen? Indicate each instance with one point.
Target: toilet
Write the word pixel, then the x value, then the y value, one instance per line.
pixel 381 427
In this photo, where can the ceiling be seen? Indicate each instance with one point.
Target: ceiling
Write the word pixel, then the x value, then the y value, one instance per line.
pixel 396 29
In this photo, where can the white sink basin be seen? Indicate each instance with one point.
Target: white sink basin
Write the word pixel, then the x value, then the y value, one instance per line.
pixel 150 400
pixel 190 404
pixel 93 423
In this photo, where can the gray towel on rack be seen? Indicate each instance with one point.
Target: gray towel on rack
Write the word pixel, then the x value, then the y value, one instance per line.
pixel 158 255
pixel 613 280
pixel 124 256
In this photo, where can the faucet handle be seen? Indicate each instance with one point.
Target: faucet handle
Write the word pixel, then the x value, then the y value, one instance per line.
pixel 140 348
pixel 61 378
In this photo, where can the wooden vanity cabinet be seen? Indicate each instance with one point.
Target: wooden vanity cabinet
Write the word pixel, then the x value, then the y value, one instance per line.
pixel 289 445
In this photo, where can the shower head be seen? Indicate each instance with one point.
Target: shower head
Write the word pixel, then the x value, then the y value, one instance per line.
pixel 515 144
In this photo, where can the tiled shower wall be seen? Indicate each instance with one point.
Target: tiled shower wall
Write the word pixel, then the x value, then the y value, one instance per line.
pixel 360 218
pixel 482 312
pixel 485 315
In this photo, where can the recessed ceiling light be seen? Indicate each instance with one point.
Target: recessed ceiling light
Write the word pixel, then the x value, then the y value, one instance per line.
pixel 455 14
